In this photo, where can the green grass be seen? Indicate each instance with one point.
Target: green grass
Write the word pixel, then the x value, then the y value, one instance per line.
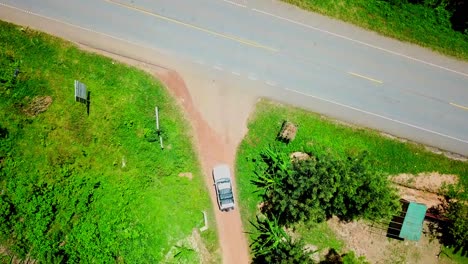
pixel 320 235
pixel 449 256
pixel 61 171
pixel 408 22
pixel 320 135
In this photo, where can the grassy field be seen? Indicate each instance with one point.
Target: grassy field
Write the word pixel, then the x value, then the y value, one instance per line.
pixel 417 24
pixel 93 188
pixel 319 135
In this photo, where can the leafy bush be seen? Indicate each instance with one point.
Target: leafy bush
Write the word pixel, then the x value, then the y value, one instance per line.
pixel 457 235
pixel 317 188
pixel 453 232
pixel 351 258
pixel 333 257
pixel 273 245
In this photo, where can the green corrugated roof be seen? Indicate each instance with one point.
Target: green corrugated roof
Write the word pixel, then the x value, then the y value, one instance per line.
pixel 413 222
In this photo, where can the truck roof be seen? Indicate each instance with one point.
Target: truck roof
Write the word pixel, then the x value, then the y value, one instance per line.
pixel 221 171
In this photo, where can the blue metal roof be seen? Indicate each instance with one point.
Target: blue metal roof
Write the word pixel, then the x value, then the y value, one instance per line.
pixel 413 222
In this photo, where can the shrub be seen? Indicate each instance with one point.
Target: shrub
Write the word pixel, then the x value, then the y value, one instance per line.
pixel 318 188
pixel 273 245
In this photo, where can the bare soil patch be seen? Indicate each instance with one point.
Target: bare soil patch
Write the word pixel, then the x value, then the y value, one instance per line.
pixel 369 238
pixel 371 242
pixel 38 105
pixel 187 175
pixel 413 195
pixel 429 182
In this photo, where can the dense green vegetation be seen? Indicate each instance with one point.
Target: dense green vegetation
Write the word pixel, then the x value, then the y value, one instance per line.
pixel 273 245
pixel 313 189
pixel 453 233
pixel 333 144
pixel 317 188
pixel 441 25
pixel 91 188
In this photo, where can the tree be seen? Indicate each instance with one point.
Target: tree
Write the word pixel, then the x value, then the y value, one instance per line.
pixel 457 228
pixel 319 187
pixel 454 231
pixel 363 192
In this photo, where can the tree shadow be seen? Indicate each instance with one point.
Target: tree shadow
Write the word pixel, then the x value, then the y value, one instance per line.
pixel 448 222
pixel 3 132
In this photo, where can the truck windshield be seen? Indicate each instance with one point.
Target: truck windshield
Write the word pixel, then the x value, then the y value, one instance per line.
pixel 225 194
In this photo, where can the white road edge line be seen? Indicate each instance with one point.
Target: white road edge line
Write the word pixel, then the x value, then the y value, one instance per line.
pixel 219 68
pixel 377 115
pixel 250 77
pixel 271 83
pixel 234 3
pixel 236 73
pixel 360 42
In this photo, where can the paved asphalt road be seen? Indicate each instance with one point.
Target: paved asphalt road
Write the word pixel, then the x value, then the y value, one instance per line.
pixel 304 59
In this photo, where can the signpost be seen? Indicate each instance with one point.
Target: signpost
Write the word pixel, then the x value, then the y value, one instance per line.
pixel 81 94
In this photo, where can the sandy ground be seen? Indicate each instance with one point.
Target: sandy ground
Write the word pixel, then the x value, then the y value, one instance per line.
pixel 217 107
pixel 369 238
pixel 430 182
pixel 371 241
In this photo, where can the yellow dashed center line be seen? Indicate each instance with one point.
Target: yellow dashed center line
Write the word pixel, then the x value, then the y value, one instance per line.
pixel 459 106
pixel 365 77
pixel 175 21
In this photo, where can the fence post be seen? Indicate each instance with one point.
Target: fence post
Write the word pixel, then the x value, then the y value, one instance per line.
pixel 157 119
pixel 157 127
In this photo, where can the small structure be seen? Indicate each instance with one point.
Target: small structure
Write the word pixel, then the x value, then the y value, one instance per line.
pixel 288 132
pixel 81 94
pixel 411 228
pixel 409 224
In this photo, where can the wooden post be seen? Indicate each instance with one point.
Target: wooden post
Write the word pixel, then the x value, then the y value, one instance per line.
pixel 157 119
pixel 157 127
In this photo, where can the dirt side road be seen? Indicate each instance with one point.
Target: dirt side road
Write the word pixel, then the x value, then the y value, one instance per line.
pixel 214 147
pixel 215 105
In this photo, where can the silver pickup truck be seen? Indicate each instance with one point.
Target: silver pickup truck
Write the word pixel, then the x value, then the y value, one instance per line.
pixel 223 186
